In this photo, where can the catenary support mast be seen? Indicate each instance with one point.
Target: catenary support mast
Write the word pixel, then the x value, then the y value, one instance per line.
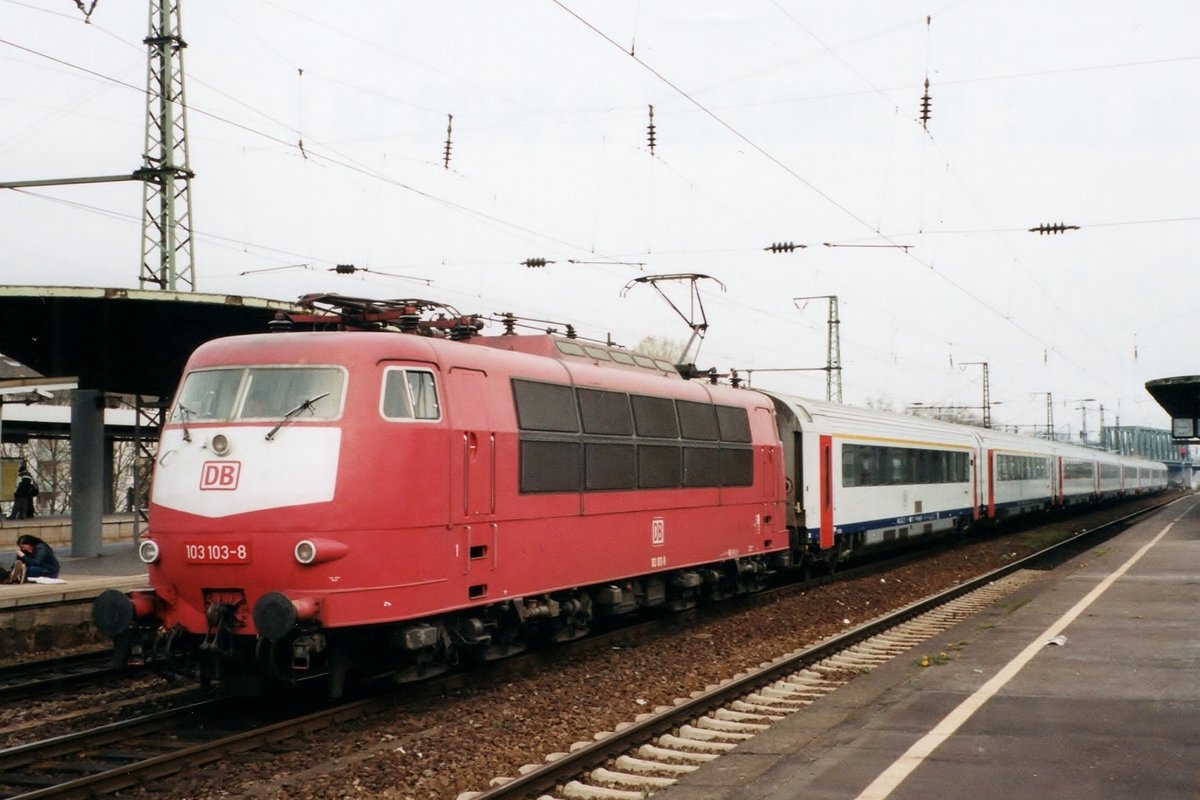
pixel 167 247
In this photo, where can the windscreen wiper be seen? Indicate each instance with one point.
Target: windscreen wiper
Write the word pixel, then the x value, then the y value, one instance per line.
pixel 306 405
pixel 184 413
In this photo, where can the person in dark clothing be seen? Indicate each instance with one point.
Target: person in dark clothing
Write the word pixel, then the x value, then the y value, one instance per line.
pixel 23 496
pixel 37 556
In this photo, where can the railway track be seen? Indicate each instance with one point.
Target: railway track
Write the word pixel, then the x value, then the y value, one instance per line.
pixel 654 750
pixel 629 763
pixel 113 757
pixel 36 678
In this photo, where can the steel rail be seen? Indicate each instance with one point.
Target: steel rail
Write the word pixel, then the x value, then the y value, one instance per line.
pixel 198 715
pixel 546 777
pixel 35 678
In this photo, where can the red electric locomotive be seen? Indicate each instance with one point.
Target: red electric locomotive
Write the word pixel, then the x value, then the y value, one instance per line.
pixel 400 503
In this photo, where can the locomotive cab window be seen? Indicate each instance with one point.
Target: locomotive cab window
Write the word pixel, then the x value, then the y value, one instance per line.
pixel 207 395
pixel 260 393
pixel 275 392
pixel 410 394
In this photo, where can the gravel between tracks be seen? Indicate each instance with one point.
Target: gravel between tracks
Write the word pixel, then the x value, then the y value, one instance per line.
pixel 469 737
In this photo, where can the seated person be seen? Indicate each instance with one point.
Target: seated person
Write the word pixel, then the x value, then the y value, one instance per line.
pixel 35 557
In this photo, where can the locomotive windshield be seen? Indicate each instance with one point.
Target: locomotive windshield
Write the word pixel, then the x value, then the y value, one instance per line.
pixel 259 393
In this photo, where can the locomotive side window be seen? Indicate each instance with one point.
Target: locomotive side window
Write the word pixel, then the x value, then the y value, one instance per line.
pixel 605 413
pixel 701 466
pixel 734 424
pixel 697 421
pixel 409 394
pixel 737 467
pixel 659 467
pixel 655 417
pixel 609 466
pixel 545 407
pixel 550 466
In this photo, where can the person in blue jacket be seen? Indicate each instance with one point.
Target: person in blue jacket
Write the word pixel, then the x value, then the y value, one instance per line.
pixel 37 556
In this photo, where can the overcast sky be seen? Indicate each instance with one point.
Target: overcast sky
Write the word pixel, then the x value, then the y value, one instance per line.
pixel 775 122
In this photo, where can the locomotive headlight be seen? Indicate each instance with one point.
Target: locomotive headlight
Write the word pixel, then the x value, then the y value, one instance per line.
pixel 220 444
pixel 319 551
pixel 306 551
pixel 148 551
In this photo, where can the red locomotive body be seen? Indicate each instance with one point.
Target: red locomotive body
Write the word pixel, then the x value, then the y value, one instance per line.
pixel 399 502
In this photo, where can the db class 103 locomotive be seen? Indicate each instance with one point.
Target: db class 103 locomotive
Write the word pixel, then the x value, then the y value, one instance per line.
pixel 379 502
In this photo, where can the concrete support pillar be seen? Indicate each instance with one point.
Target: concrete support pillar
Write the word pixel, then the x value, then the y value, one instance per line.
pixel 87 472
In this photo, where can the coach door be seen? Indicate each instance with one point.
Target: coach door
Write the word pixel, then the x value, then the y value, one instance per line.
pixel 991 483
pixel 826 450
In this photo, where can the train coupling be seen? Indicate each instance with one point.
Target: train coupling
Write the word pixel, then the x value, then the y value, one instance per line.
pixel 222 619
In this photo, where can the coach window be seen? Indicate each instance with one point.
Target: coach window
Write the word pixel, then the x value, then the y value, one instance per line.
pixel 409 394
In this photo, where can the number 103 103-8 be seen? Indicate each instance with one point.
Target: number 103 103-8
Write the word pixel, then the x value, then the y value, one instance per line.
pixel 207 553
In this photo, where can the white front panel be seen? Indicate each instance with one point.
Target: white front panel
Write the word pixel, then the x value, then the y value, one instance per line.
pixel 299 466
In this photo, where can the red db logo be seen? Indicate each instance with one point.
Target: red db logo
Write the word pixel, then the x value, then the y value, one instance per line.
pixel 220 475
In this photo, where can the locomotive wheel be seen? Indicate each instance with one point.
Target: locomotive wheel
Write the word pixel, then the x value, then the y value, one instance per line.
pixel 274 659
pixel 339 665
pixel 122 649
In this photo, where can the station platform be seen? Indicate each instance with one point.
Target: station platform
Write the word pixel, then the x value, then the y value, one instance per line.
pixel 1085 684
pixel 115 567
pixel 36 616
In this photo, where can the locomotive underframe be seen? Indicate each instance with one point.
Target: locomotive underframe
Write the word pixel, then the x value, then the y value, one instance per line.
pixel 419 649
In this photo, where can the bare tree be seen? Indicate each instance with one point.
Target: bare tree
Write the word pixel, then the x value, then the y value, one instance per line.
pixel 660 347
pixel 881 402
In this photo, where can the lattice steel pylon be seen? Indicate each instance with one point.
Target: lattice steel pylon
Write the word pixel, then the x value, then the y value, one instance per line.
pixel 833 347
pixel 168 256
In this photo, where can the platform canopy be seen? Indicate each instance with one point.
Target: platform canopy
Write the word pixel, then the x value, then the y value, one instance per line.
pixel 127 341
pixel 1179 397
